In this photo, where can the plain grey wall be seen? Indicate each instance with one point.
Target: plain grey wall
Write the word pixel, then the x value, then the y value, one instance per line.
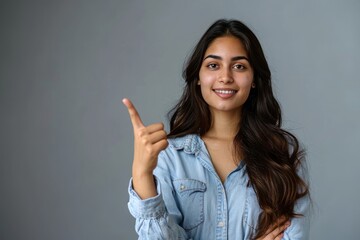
pixel 66 140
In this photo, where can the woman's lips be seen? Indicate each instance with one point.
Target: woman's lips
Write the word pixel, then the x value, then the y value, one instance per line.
pixel 225 93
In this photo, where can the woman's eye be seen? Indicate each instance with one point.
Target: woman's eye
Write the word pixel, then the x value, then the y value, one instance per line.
pixel 212 66
pixel 239 67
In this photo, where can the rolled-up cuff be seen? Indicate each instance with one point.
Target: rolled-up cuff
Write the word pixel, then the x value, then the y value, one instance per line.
pixel 153 207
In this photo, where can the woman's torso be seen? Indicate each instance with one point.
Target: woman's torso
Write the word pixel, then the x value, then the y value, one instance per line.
pixel 196 197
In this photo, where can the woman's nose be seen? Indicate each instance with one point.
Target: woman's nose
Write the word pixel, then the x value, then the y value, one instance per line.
pixel 226 76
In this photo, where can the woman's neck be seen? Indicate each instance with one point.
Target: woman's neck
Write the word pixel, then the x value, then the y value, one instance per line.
pixel 225 125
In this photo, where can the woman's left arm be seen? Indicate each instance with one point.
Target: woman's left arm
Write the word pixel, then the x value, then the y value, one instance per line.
pixel 300 226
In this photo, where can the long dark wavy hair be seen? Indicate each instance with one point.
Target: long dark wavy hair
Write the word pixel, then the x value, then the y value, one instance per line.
pixel 271 154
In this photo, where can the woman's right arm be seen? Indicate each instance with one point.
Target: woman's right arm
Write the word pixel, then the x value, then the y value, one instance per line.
pixel 146 203
pixel 153 221
pixel 148 142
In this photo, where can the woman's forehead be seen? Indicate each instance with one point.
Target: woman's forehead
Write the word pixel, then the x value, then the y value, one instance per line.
pixel 226 45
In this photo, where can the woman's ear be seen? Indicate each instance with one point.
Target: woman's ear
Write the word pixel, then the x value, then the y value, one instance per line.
pixel 198 82
pixel 253 85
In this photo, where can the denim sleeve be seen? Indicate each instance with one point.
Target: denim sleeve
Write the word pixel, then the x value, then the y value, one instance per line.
pixel 300 226
pixel 153 221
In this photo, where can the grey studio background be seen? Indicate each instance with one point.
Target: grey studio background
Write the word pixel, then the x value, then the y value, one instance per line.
pixel 66 139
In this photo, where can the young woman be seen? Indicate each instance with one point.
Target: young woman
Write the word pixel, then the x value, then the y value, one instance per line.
pixel 226 170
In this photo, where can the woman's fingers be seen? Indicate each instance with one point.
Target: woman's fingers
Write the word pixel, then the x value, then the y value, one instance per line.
pixel 155 127
pixel 157 136
pixel 151 134
pixel 277 233
pixel 134 115
pixel 161 145
pixel 148 140
pixel 279 237
pixel 137 122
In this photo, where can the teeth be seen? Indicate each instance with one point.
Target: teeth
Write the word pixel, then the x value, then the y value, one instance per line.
pixel 225 91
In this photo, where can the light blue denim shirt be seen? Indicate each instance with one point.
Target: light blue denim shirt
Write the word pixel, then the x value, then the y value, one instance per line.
pixel 193 203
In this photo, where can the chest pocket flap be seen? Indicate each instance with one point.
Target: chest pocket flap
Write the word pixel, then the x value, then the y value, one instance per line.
pixel 190 200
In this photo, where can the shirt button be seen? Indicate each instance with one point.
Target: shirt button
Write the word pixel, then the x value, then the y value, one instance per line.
pixel 182 187
pixel 221 224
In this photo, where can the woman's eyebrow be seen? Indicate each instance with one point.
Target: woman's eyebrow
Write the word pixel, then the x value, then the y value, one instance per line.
pixel 239 58
pixel 232 59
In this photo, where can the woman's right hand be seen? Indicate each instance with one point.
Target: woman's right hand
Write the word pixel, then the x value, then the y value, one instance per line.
pixel 276 231
pixel 148 142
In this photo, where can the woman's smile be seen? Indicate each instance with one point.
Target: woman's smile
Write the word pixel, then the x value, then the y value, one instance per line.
pixel 225 93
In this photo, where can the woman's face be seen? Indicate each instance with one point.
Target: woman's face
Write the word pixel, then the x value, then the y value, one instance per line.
pixel 225 76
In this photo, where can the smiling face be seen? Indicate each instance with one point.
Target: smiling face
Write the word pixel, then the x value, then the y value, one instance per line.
pixel 225 76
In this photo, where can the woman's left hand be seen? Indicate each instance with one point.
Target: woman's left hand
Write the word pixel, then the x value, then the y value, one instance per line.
pixel 276 232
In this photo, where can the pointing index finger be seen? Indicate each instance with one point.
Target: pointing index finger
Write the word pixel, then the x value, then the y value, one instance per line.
pixel 134 115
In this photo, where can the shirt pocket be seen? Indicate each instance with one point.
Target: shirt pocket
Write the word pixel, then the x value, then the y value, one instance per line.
pixel 190 199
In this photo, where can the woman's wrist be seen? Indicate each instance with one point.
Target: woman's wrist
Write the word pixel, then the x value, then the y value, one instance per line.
pixel 144 185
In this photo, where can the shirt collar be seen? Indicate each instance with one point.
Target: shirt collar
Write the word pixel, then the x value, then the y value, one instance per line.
pixel 189 143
